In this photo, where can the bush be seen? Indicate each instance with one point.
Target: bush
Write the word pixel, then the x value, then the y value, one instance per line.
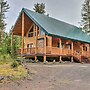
pixel 14 64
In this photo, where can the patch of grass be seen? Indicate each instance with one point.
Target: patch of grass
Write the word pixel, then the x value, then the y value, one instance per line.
pixel 13 73
pixel 5 58
pixel 15 64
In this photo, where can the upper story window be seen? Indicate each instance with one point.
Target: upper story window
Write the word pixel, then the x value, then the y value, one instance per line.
pixel 41 33
pixel 31 32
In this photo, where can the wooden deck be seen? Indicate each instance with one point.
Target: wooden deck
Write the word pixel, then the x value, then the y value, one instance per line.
pixel 52 51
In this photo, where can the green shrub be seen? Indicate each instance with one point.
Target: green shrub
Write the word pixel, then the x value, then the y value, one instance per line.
pixel 14 64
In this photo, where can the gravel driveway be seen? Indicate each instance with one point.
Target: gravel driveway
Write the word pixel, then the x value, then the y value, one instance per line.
pixel 55 77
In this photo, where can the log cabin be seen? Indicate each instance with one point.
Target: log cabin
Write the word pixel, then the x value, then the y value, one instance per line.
pixel 46 37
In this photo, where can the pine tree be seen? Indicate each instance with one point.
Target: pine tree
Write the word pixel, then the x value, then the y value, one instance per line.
pixel 40 8
pixel 4 6
pixel 86 16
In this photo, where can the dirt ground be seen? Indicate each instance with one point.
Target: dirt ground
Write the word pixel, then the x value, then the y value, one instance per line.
pixel 54 77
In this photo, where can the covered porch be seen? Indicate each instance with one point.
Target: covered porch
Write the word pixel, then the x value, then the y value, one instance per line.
pixel 52 46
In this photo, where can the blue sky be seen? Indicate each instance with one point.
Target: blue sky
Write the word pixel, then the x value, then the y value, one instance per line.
pixel 65 10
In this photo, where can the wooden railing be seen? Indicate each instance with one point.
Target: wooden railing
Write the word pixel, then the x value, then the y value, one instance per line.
pixel 48 50
pixel 54 50
pixel 40 50
pixel 27 51
pixel 66 51
pixel 86 53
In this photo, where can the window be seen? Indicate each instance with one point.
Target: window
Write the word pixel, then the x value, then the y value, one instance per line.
pixel 42 33
pixel 68 46
pixel 58 45
pixel 63 45
pixel 31 32
pixel 84 48
pixel 41 43
pixel 30 45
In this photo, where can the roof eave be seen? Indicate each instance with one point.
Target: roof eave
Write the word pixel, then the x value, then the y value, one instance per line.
pixel 66 38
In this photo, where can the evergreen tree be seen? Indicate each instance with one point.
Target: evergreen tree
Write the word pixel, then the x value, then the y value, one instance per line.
pixel 86 16
pixel 4 6
pixel 40 8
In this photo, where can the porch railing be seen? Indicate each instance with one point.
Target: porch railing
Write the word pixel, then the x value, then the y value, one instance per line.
pixel 27 51
pixel 54 50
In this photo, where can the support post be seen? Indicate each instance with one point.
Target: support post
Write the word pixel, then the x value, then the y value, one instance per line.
pixel 72 52
pixel 22 49
pixel 82 49
pixel 72 59
pixel 35 27
pixel 51 44
pixel 60 45
pixel 89 49
pixel 44 47
pixel 60 59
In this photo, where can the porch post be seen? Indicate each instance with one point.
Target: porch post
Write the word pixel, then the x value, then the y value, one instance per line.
pixel 72 51
pixel 22 49
pixel 35 27
pixel 82 48
pixel 60 46
pixel 44 47
pixel 88 49
pixel 12 43
pixel 51 44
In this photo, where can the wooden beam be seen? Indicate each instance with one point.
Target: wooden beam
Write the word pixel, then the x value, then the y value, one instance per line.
pixel 72 47
pixel 60 45
pixel 60 59
pixel 22 49
pixel 51 43
pixel 72 51
pixel 72 59
pixel 89 49
pixel 82 49
pixel 44 47
pixel 35 27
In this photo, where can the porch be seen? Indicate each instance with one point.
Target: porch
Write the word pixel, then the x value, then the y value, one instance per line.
pixel 53 51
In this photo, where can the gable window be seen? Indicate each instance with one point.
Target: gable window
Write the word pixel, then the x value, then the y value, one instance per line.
pixel 41 33
pixel 31 32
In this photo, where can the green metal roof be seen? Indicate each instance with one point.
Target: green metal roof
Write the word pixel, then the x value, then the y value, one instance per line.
pixel 57 28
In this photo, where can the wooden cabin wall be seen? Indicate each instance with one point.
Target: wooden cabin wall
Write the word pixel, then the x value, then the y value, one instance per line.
pixel 77 47
pixel 48 41
pixel 55 43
